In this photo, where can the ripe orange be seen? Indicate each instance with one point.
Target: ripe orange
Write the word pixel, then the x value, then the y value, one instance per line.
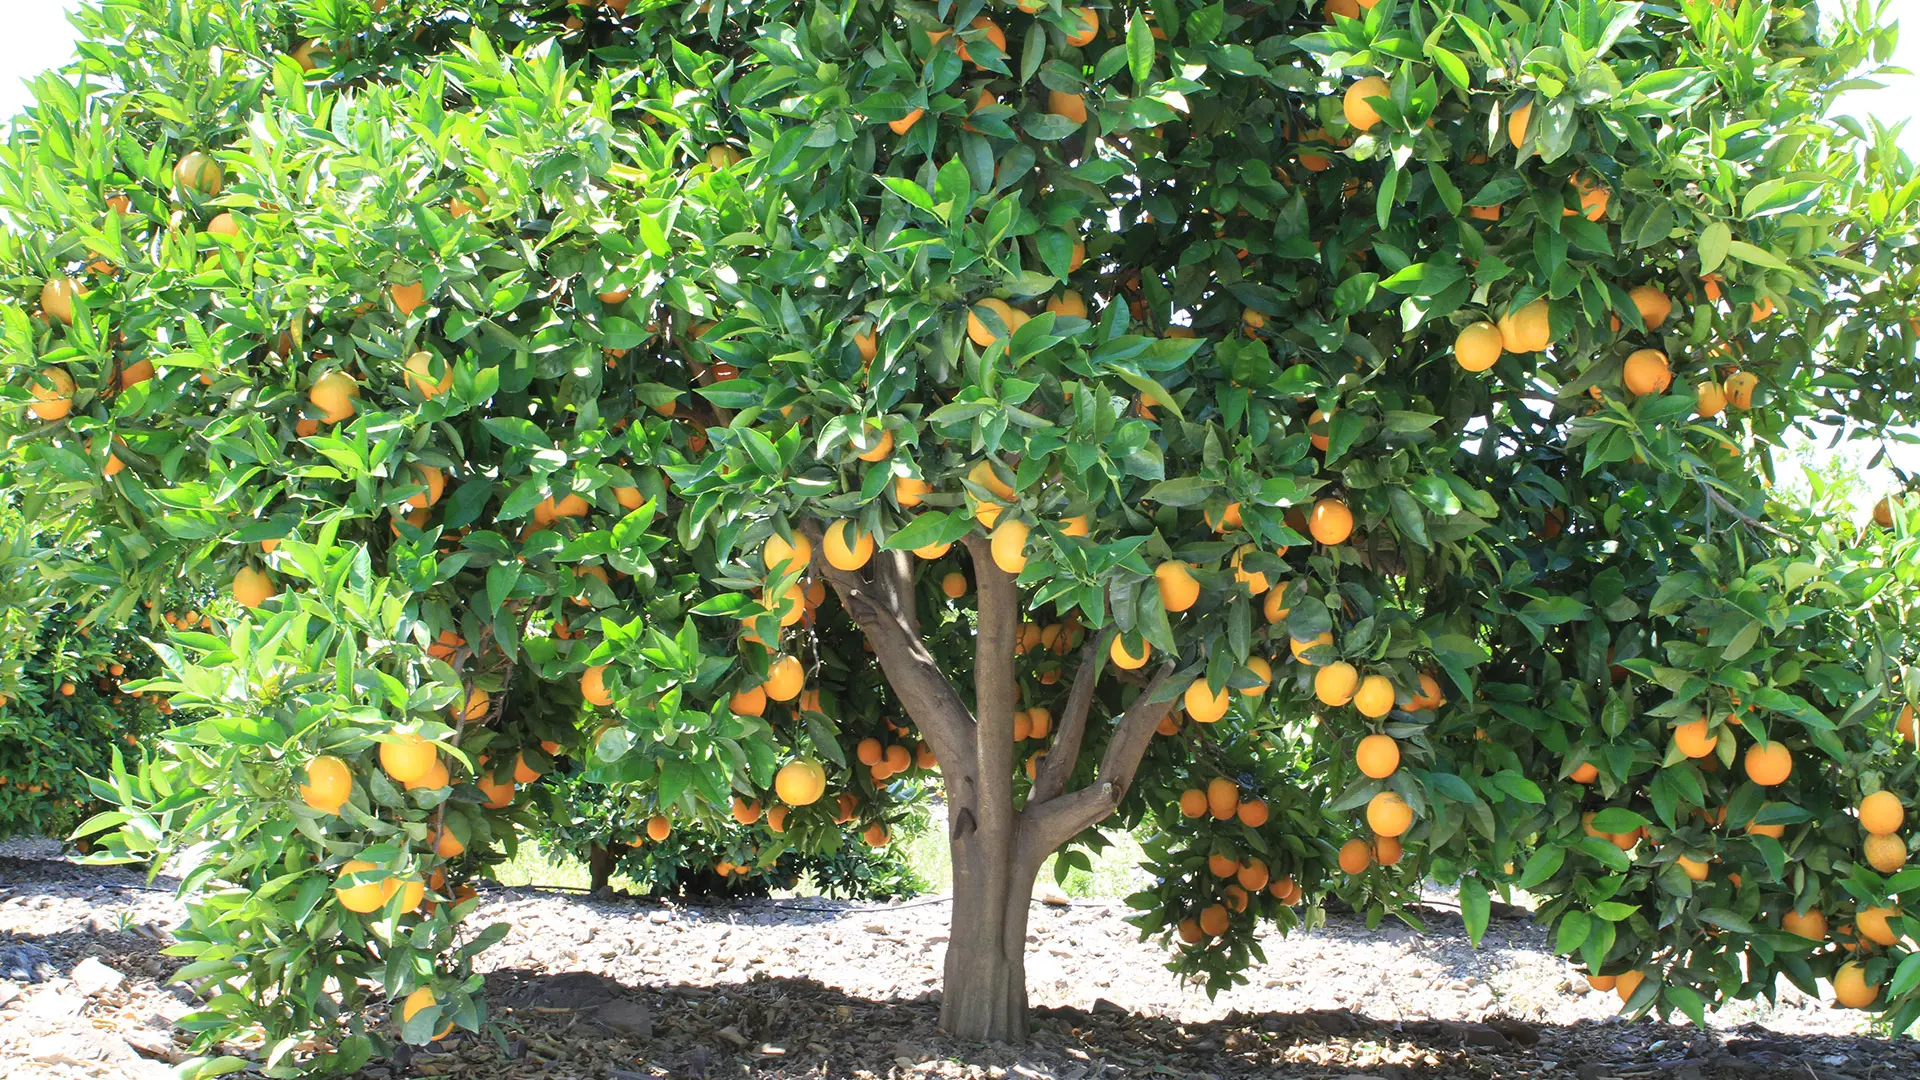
pixel 1709 399
pixel 1812 924
pixel 1009 545
pixel 1692 868
pixel 1356 106
pixel 984 333
pixel 1121 658
pixel 1626 983
pixel 419 370
pixel 780 556
pixel 659 827
pixel 1653 305
pixel 408 756
pixel 1885 853
pixel 435 779
pixel 1276 606
pixel 1647 372
pixel 1203 704
pixel 1071 106
pixel 56 298
pixel 407 298
pixel 1527 328
pixel 333 394
pixel 905 123
pixel 1517 121
pixel 1851 989
pixel 1374 698
pixel 1881 813
pixel 1086 24
pixel 1356 855
pixel 1223 797
pixel 993 34
pixel 1253 813
pixel 1189 931
pixel 876 835
pixel 1222 866
pixel 800 782
pixel 1252 875
pixel 251 587
pixel 1178 589
pixel 1478 346
pixel 751 701
pixel 777 819
pixel 1694 740
pixel 1873 925
pixel 1387 850
pixel 1739 389
pixel 1601 982
pixel 52 390
pixel 446 843
pixel 329 784
pixel 1255 580
pixel 593 686
pixel 198 172
pixel 1300 648
pixel 954 584
pixel 872 448
pixel 1193 803
pixel 869 751
pixel 1768 765
pixel 1378 756
pixel 1228 521
pixel 908 490
pixel 846 546
pixel 361 899
pixel 1388 814
pixel 479 703
pixel 1331 522
pixel 1213 920
pixel 499 793
pixel 785 679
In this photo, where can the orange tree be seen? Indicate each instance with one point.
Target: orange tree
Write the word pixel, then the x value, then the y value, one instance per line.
pixel 63 702
pixel 1332 440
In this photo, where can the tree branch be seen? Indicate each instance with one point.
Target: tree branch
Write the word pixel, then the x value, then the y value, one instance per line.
pixel 1064 754
pixel 1047 826
pixel 929 699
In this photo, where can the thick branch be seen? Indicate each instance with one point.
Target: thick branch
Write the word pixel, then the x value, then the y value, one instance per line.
pixel 929 699
pixel 1064 754
pixel 1045 827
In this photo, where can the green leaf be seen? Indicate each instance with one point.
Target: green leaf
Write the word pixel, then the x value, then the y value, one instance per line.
pixel 1474 909
pixel 1572 932
pixel 1687 1001
pixel 1715 240
pixel 1139 50
pixel 1617 819
pixel 1544 863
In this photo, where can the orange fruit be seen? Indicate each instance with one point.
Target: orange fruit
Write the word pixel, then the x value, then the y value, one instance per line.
pixel 499 793
pixel 1378 756
pixel 333 394
pixel 1881 813
pixel 1253 813
pixel 1085 25
pixel 1189 931
pixel 1517 121
pixel 1812 924
pixel 593 686
pixel 1331 522
pixel 785 679
pixel 905 123
pixel 1071 106
pixel 1851 989
pixel 360 899
pixel 1388 814
pixel 1356 106
pixel 52 391
pixel 780 556
pixel 1874 926
pixel 751 701
pixel 984 333
pixel 435 779
pixel 1356 855
pixel 909 490
pixel 1068 304
pixel 56 298
pixel 1600 982
pixel 846 546
pixel 1694 739
pixel 875 835
pixel 1692 868
pixel 419 370
pixel 1740 387
pixel 1121 658
pixel 875 448
pixel 1647 372
pixel 251 587
pixel 1213 920
pixel 659 827
pixel 1527 328
pixel 1193 803
pixel 1222 866
pixel 1709 399
pixel 329 784
pixel 1584 773
pixel 1768 765
pixel 1387 850
pixel 523 771
pixel 1009 545
pixel 1478 346
pixel 1626 983
pixel 1178 589
pixel 407 298
pixel 408 756
pixel 1203 704
pixel 1374 698
pixel 1223 798
pixel 1653 305
pixel 1255 580
pixel 198 172
pixel 1885 853
pixel 993 34
pixel 800 782
pixel 479 703
pixel 1300 648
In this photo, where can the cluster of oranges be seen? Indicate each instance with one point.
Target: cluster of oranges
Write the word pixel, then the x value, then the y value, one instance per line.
pixel 1234 879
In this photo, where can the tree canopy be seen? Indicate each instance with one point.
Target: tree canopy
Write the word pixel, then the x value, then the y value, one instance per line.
pixel 1331 440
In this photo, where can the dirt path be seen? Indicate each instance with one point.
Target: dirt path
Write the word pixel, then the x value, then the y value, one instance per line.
pixel 813 988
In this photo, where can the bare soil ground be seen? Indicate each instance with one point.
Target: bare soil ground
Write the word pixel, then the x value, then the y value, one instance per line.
pixel 775 989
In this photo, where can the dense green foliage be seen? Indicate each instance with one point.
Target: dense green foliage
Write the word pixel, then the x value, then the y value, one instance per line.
pixel 1154 363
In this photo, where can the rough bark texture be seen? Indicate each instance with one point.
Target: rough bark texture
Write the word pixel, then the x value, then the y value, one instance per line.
pixel 997 849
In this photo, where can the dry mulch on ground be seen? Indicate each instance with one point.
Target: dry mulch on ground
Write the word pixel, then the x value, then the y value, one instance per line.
pixel 778 989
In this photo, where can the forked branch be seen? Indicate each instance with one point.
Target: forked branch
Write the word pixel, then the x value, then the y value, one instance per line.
pixel 1046 826
pixel 1064 754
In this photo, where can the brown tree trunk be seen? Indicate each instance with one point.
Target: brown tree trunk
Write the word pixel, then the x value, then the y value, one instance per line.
pixel 600 865
pixel 985 992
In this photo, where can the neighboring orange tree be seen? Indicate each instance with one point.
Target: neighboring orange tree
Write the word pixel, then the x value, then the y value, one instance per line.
pixel 1332 441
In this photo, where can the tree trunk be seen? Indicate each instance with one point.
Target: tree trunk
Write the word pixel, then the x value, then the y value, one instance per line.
pixel 985 995
pixel 600 865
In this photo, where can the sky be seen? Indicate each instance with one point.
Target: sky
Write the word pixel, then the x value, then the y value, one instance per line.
pixel 38 36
